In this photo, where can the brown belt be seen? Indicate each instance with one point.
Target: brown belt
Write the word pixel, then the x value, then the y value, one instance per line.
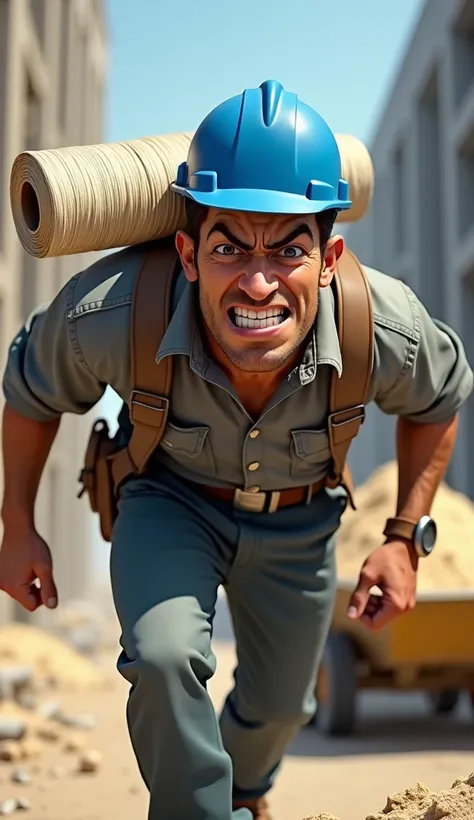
pixel 260 501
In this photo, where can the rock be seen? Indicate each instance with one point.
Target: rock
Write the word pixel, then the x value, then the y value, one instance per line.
pixel 28 700
pixel 13 679
pixel 23 804
pixel 81 624
pixel 11 729
pixel 85 639
pixel 21 776
pixel 90 761
pixel 10 751
pixel 30 748
pixel 74 743
pixel 57 772
pixel 50 709
pixel 324 816
pixel 49 733
pixel 78 721
pixel 8 806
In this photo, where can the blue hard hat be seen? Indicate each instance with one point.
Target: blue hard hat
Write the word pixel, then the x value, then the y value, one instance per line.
pixel 264 150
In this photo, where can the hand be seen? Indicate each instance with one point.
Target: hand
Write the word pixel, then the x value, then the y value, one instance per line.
pixel 392 568
pixel 25 559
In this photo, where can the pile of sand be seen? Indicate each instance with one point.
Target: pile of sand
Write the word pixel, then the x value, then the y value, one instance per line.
pixel 420 803
pixel 450 567
pixel 53 661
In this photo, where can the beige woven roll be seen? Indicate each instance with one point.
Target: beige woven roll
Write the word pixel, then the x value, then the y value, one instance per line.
pixel 98 197
pixel 357 168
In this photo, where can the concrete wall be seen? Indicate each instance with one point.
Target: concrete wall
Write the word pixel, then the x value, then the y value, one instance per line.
pixel 53 68
pixel 421 223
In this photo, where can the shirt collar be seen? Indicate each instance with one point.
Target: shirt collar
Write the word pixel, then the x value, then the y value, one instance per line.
pixel 183 337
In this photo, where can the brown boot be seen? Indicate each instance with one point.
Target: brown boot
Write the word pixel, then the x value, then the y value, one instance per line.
pixel 258 807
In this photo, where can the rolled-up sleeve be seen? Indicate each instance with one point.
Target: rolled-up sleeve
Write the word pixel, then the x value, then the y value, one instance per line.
pixel 46 374
pixel 423 376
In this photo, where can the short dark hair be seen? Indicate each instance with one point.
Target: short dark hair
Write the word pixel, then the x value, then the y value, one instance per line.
pixel 196 214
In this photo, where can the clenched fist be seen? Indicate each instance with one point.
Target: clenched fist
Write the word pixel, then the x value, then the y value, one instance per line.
pixel 25 560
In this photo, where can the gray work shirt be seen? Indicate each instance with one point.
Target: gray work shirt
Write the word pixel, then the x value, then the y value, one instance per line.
pixel 67 353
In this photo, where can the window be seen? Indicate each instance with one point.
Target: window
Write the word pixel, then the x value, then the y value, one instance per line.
pixel 32 121
pixel 463 52
pixel 467 428
pixel 38 8
pixel 465 185
pixel 431 219
pixel 63 75
pixel 400 204
pixel 84 77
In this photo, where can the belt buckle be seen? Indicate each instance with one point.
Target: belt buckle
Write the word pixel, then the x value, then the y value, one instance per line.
pixel 255 502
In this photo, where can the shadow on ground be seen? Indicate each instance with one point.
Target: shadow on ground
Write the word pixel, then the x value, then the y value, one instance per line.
pixel 391 723
pixel 387 723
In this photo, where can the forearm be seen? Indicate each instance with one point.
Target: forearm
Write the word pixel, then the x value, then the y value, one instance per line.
pixel 26 445
pixel 423 452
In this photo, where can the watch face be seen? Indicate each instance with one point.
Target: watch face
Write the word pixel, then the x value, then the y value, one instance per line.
pixel 427 534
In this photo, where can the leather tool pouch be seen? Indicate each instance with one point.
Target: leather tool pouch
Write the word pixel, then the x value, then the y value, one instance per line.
pixel 96 476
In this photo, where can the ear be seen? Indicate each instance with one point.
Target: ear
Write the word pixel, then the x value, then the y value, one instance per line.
pixel 333 251
pixel 185 247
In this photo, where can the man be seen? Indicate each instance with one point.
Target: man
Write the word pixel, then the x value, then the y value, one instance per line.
pixel 254 341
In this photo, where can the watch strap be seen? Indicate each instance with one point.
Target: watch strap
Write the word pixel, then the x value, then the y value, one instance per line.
pixel 400 528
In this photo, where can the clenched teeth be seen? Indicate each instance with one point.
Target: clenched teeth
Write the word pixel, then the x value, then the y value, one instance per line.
pixel 242 317
pixel 260 314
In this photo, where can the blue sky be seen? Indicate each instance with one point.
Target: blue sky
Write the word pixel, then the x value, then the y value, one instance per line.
pixel 168 69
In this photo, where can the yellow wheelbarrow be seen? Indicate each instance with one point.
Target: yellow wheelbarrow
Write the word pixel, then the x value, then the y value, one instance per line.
pixel 429 649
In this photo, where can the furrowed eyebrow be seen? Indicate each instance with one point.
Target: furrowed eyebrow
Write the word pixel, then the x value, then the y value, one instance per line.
pixel 298 231
pixel 220 227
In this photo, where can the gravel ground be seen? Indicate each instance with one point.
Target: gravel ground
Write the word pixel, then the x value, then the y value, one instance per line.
pixel 397 744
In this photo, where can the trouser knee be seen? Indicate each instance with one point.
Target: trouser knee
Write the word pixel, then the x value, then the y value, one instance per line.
pixel 163 661
pixel 273 711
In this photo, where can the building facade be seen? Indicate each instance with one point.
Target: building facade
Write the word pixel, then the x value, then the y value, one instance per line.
pixel 420 227
pixel 53 68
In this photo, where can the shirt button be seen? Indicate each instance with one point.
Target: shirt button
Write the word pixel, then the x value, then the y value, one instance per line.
pixel 254 465
pixel 254 489
pixel 254 433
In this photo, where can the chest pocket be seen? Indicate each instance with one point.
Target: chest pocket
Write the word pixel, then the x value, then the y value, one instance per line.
pixel 310 454
pixel 190 447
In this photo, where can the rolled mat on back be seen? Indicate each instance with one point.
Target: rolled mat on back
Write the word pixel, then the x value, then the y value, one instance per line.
pixel 99 197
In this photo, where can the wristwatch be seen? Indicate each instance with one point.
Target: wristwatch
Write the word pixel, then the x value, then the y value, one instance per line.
pixel 422 533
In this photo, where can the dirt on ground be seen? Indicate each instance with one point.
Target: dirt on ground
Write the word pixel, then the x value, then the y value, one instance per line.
pixel 68 752
pixel 420 803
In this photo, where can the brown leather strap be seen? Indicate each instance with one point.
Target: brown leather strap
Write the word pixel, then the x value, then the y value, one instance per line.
pixel 348 393
pixel 400 528
pixel 286 498
pixel 151 382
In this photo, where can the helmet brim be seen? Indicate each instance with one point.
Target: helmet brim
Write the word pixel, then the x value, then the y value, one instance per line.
pixel 257 201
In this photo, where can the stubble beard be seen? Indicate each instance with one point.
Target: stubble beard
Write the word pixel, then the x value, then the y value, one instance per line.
pixel 255 358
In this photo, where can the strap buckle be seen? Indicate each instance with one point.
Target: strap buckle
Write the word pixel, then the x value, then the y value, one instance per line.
pixel 144 407
pixel 350 414
pixel 256 502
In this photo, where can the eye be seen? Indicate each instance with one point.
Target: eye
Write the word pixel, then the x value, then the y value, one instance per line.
pixel 291 252
pixel 226 250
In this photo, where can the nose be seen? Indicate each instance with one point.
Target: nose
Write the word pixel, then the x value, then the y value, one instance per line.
pixel 258 282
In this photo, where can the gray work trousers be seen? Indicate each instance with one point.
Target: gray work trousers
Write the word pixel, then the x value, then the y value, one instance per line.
pixel 172 548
